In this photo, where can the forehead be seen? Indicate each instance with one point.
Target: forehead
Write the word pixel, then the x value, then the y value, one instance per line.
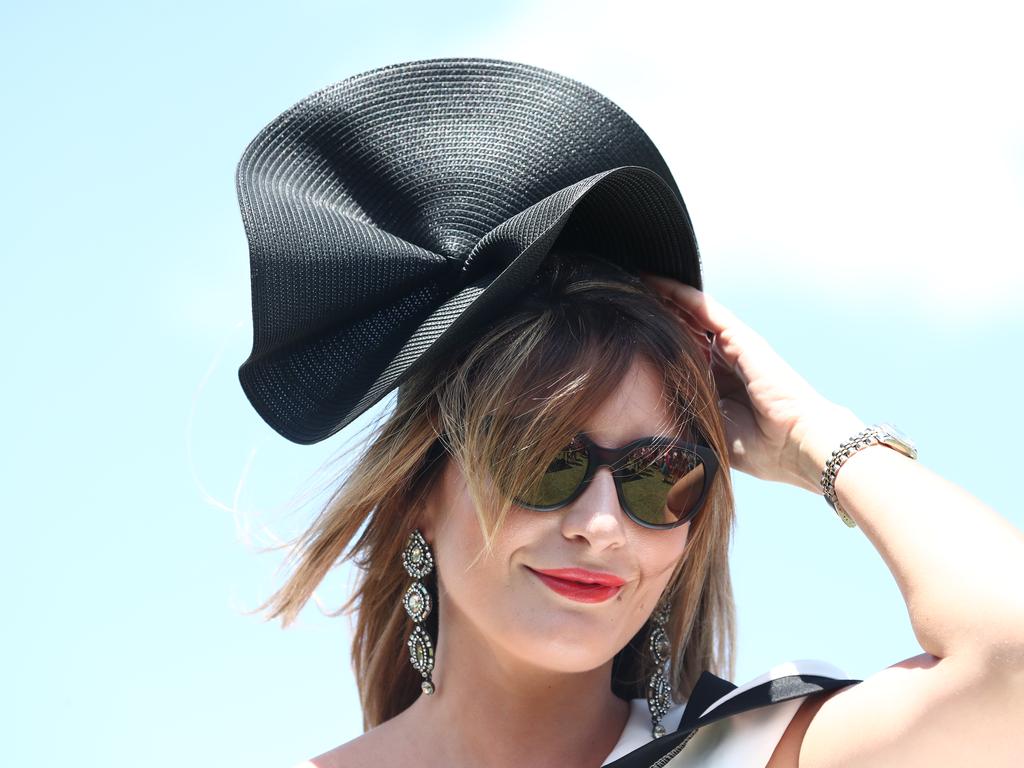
pixel 635 409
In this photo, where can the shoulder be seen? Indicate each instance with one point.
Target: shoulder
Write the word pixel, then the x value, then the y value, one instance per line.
pixel 373 748
pixel 763 721
pixel 787 751
pixel 352 754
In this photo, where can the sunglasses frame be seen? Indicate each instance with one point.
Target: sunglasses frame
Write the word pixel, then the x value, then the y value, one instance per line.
pixel 598 456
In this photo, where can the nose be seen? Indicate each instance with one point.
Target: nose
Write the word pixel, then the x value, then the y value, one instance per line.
pixel 595 515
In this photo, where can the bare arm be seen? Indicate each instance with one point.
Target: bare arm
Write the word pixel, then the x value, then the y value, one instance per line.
pixel 960 568
pixel 958 564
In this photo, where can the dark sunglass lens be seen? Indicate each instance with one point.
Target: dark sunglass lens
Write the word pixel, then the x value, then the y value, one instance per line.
pixel 662 483
pixel 563 476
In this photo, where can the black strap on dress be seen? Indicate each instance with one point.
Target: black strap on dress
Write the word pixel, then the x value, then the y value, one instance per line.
pixel 709 689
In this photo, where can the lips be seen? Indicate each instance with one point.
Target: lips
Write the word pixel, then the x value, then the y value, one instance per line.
pixel 598 587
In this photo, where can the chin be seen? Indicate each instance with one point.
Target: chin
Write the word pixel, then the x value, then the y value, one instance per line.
pixel 562 648
pixel 561 659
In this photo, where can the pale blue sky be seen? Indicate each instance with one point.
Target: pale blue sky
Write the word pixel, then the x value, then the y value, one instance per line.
pixel 856 181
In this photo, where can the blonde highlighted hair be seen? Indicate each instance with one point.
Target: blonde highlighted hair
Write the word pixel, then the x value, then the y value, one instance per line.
pixel 530 380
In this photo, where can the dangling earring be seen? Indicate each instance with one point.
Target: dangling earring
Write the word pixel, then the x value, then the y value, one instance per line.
pixel 659 690
pixel 419 561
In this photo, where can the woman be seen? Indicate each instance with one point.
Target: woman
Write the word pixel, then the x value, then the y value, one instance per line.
pixel 520 604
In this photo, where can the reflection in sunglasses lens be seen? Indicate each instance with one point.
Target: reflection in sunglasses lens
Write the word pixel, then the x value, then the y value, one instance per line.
pixel 562 478
pixel 662 483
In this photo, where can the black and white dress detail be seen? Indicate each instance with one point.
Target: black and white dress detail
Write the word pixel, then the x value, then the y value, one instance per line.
pixel 723 725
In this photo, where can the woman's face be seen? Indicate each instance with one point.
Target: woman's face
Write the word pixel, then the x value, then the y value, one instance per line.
pixel 501 599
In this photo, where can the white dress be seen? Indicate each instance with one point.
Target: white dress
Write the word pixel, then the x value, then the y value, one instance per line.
pixel 745 739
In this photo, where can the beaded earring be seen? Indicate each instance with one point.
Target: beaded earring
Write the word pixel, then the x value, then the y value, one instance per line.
pixel 659 690
pixel 419 561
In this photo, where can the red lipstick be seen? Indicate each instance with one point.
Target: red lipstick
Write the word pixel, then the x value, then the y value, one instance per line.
pixel 581 585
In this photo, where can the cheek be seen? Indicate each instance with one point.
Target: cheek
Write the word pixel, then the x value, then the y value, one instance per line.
pixel 471 574
pixel 658 553
pixel 460 541
pixel 664 548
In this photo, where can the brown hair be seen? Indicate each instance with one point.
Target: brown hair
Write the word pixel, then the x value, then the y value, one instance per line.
pixel 529 380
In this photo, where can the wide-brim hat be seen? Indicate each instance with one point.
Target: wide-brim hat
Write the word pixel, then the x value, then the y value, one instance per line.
pixel 392 215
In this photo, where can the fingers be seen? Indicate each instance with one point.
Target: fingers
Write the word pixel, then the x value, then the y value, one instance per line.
pixel 700 304
pixel 700 336
pixel 692 322
pixel 727 334
pixel 732 335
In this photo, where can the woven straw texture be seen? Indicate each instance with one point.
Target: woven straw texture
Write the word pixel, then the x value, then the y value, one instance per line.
pixel 392 215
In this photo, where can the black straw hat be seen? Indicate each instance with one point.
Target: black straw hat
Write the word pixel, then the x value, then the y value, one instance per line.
pixel 391 215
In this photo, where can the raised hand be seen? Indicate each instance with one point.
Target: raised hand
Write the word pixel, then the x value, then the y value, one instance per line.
pixel 769 410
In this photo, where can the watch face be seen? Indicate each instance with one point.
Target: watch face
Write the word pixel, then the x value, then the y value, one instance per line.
pixel 901 437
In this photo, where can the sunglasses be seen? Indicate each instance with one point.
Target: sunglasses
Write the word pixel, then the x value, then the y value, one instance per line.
pixel 661 482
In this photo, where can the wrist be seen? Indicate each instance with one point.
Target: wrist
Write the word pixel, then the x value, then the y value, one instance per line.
pixel 817 437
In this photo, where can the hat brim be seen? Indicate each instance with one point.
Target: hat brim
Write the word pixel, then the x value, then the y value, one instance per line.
pixel 628 215
pixel 391 215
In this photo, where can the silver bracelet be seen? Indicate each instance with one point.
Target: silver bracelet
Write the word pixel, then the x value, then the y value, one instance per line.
pixel 864 438
pixel 886 434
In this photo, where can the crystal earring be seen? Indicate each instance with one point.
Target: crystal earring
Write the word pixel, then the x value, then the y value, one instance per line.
pixel 659 690
pixel 419 561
